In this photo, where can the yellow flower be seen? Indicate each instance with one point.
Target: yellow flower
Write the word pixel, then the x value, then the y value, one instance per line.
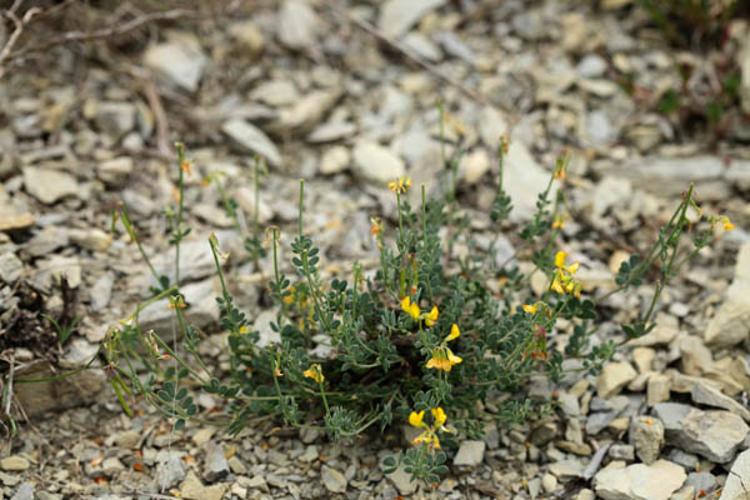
pixel 288 299
pixel 176 302
pixel 728 225
pixel 439 416
pixel 558 222
pixel 315 372
pixel 416 419
pixel 429 435
pixel 411 308
pixel 454 334
pixel 429 438
pixel 400 185
pixel 560 257
pixel 561 167
pixel 242 330
pixel 376 226
pixel 563 281
pixel 431 318
pixel 443 359
pixel 531 309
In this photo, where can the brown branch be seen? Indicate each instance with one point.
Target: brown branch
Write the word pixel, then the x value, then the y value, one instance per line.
pixel 154 102
pixel 20 24
pixel 113 29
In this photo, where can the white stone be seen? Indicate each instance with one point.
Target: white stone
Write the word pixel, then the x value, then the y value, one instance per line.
pixel 736 487
pixel 470 454
pixel 714 434
pixel 613 378
pixel 251 139
pixel 11 267
pixel 376 164
pixel 334 160
pixel 298 24
pixel 333 480
pixel 181 61
pixel 524 180
pixel 48 185
pixel 639 481
pixel 647 436
pixel 731 325
pixel 398 16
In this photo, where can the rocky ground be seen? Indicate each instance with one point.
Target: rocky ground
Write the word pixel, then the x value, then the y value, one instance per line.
pixel 310 89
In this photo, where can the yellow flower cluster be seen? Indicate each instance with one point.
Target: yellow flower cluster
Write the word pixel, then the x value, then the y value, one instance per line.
pixel 413 310
pixel 429 434
pixel 315 372
pixel 727 224
pixel 563 281
pixel 442 356
pixel 530 308
pixel 400 185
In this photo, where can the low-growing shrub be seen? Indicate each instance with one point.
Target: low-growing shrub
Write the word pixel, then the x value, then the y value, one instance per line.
pixel 432 338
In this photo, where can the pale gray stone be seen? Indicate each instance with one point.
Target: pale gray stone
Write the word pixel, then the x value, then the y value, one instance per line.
pixel 639 481
pixel 376 164
pixel 181 61
pixel 250 139
pixel 470 454
pixel 48 185
pixel 398 16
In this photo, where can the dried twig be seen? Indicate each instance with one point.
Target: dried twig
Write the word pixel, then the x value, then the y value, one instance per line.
pixel 398 46
pixel 114 29
pixel 20 24
pixel 154 102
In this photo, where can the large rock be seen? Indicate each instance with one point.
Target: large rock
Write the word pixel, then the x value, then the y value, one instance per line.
pixel 470 454
pixel 647 436
pixel 613 378
pixel 333 480
pixel 298 24
pixel 196 262
pixel 57 394
pixel 738 480
pixel 669 176
pixel 716 435
pixel 731 325
pixel 48 185
pixel 524 179
pixel 398 16
pixel 376 164
pixel 705 394
pixel 307 111
pixel 11 267
pixel 639 481
pixel 181 61
pixel 202 309
pixel 250 139
pixel 115 118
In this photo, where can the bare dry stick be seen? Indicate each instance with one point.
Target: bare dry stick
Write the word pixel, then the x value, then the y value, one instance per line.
pixel 106 32
pixel 154 102
pixel 20 24
pixel 372 30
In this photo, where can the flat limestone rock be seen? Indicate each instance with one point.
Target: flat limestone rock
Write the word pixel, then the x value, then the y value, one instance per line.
pixel 639 481
pixel 398 16
pixel 251 139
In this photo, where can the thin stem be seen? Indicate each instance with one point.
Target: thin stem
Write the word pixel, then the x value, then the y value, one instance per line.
pixel 214 251
pixel 325 399
pixel 301 204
